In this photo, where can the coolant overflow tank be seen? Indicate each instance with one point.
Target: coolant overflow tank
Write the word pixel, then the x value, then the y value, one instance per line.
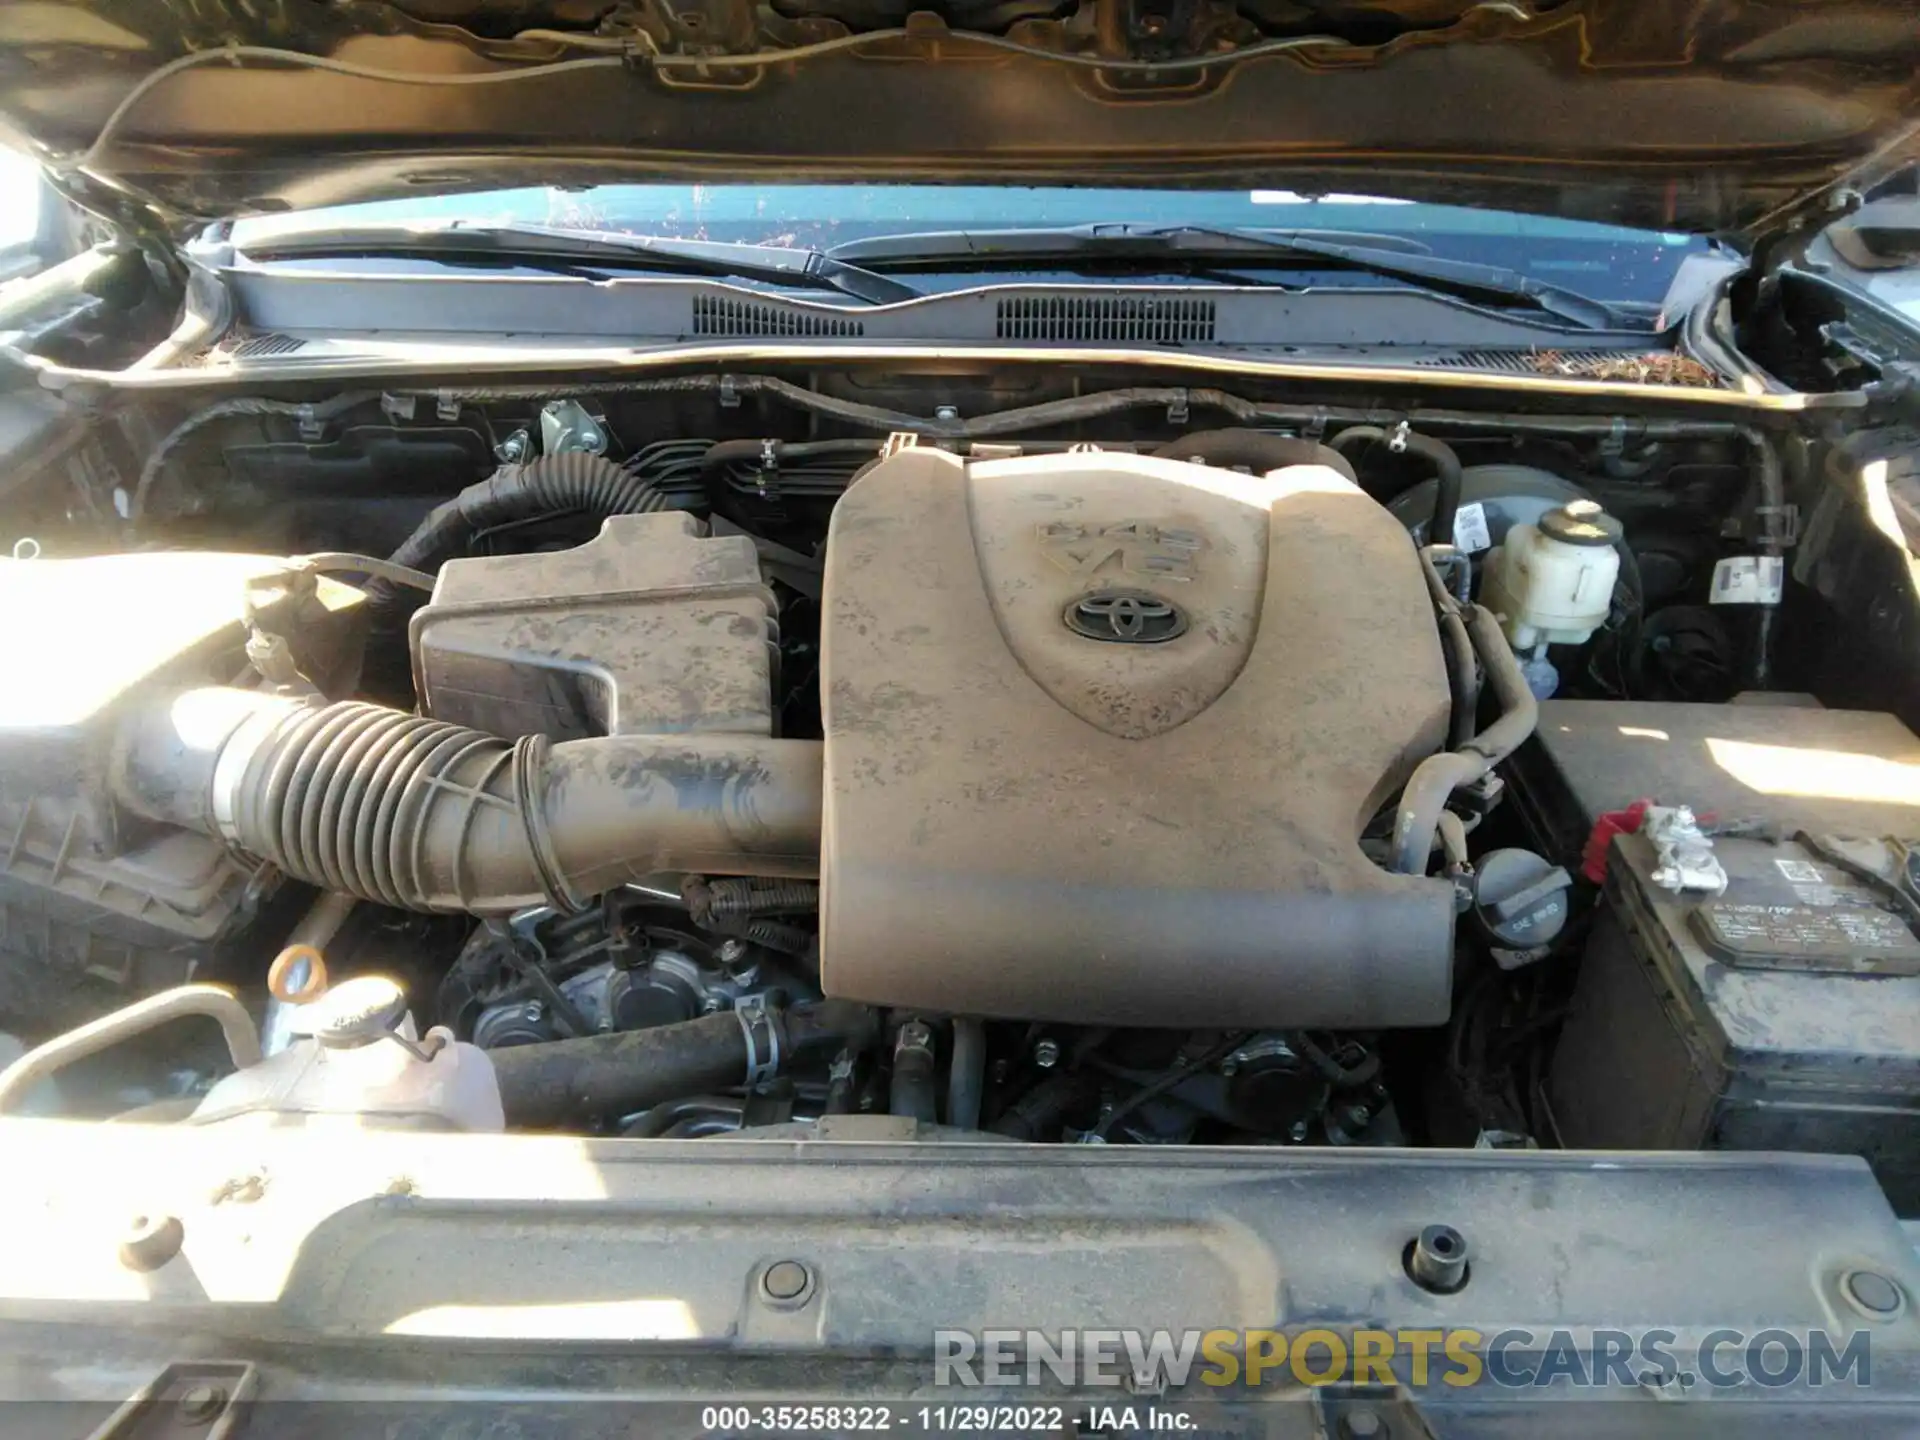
pixel 357 1060
pixel 1102 731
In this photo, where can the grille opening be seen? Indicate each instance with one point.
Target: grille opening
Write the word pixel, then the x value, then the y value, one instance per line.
pixel 731 316
pixel 1145 319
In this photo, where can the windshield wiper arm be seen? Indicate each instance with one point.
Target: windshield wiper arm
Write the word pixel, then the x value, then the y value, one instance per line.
pixel 1379 255
pixel 537 245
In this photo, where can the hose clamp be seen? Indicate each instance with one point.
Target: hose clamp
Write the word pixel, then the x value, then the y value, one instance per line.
pixel 529 763
pixel 255 732
pixel 760 1028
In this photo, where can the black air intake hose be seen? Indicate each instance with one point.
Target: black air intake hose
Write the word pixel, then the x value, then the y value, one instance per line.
pixel 551 485
pixel 422 815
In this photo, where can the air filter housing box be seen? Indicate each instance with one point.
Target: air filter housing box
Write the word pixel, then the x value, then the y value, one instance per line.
pixel 653 627
pixel 1102 732
pixel 97 906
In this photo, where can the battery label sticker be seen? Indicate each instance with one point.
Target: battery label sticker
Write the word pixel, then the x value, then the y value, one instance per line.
pixel 1470 532
pixel 1800 872
pixel 1785 928
pixel 1749 580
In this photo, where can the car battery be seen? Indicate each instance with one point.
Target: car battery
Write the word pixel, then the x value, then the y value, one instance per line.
pixel 1784 1012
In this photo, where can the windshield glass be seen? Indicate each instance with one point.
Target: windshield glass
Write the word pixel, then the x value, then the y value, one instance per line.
pixel 1603 261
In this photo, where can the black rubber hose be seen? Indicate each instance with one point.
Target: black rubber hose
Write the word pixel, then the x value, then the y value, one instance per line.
pixel 570 1082
pixel 1256 450
pixel 967 1073
pixel 550 485
pixel 911 1092
pixel 1453 568
pixel 754 452
pixel 1463 678
pixel 1456 646
pixel 840 1077
pixel 1436 778
pixel 1043 1109
pixel 1331 1068
pixel 1437 453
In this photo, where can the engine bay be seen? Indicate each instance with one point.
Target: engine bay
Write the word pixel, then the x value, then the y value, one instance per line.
pixel 1140 765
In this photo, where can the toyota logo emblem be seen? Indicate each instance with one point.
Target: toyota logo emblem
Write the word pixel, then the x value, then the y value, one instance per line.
pixel 1125 617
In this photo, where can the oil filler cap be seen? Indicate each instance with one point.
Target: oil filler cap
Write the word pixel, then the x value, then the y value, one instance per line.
pixel 1520 900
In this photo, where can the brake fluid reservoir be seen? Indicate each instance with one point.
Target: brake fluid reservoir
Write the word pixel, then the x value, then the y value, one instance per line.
pixel 1551 583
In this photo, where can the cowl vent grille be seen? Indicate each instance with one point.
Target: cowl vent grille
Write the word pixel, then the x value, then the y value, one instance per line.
pixel 1634 367
pixel 727 315
pixel 254 347
pixel 1515 362
pixel 1137 319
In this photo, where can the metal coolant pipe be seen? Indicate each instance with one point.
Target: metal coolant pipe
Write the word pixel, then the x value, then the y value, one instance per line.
pixel 422 815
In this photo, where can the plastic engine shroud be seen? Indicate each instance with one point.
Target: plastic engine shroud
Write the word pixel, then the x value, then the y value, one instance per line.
pixel 1026 817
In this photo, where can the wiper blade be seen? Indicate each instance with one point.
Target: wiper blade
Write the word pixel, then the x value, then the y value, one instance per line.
pixel 1387 255
pixel 1052 241
pixel 541 245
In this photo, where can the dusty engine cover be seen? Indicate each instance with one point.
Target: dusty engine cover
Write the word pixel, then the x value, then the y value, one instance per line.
pixel 1102 731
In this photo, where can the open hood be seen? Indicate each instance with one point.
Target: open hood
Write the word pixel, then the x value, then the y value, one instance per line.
pixel 1728 116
